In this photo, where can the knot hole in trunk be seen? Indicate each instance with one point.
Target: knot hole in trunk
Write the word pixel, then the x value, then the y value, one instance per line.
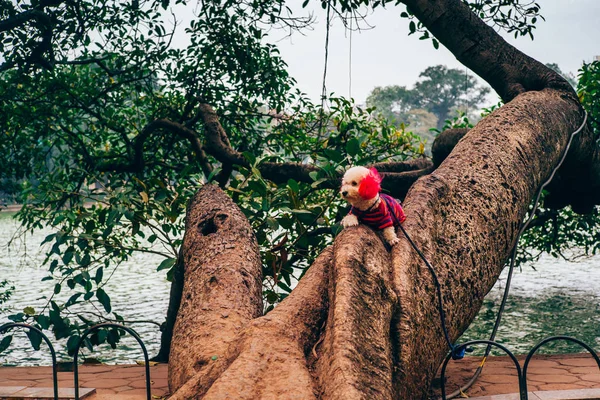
pixel 211 225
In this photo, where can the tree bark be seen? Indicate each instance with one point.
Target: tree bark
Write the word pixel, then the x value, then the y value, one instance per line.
pixel 465 217
pixel 222 289
pixel 268 359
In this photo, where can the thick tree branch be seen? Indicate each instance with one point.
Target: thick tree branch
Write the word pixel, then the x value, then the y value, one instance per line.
pixel 217 144
pixel 510 73
pixel 404 166
pixel 138 162
pixel 355 359
pixel 465 217
pixel 399 176
pixel 444 143
pixel 276 344
pixel 98 61
pixel 398 184
pixel 480 48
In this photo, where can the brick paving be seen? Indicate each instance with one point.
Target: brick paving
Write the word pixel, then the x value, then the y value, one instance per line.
pixel 112 382
pixel 545 373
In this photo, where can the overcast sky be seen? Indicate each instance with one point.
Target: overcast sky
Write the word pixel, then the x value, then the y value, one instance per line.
pixel 386 55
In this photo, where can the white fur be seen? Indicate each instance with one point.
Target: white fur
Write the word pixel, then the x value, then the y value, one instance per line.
pixel 349 192
pixel 389 234
pixel 350 183
pixel 349 220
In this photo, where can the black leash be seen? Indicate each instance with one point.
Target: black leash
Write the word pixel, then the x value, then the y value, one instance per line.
pixel 455 355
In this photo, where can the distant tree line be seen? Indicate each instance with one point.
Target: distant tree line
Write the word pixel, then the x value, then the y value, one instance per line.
pixel 440 93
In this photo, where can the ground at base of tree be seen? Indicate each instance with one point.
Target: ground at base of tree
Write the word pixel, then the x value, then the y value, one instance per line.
pixel 112 382
pixel 545 373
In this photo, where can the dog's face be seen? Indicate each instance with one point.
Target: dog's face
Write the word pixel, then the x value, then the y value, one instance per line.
pixel 351 184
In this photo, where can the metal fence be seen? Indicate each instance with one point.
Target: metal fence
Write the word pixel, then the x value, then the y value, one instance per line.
pixel 521 373
pixel 4 328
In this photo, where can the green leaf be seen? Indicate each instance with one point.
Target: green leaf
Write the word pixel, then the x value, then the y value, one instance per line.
pixel 102 335
pixel 297 211
pixel 334 155
pixel 99 274
pixel 103 299
pixel 53 265
pixel 29 310
pixel 67 257
pixel 293 185
pixel 214 173
pixel 18 317
pixel 272 297
pixel 284 287
pixel 113 338
pixel 170 275
pixel 166 264
pixel 48 238
pixel 35 339
pixel 73 299
pixel 5 342
pixel 43 321
pixel 258 186
pixel 85 261
pixel 72 344
pixel 316 184
pixel 353 146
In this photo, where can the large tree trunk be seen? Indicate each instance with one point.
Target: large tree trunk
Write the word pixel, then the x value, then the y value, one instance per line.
pixel 364 322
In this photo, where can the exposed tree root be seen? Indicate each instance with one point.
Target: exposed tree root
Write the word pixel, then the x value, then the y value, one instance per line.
pixel 355 357
pixel 268 359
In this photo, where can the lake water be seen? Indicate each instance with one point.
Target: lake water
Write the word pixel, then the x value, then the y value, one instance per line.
pixel 555 298
pixel 137 292
pixel 558 298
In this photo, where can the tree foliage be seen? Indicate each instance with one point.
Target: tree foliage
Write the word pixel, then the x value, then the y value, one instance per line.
pixel 108 142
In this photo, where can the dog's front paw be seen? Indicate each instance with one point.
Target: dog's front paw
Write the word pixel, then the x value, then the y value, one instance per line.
pixel 394 242
pixel 349 220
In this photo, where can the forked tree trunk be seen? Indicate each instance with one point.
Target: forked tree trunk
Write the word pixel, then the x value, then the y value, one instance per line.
pixel 364 322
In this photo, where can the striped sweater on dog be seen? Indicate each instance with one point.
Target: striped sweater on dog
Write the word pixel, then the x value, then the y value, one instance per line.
pixel 381 216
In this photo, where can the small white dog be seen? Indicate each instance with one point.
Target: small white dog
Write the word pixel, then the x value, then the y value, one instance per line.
pixel 360 188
